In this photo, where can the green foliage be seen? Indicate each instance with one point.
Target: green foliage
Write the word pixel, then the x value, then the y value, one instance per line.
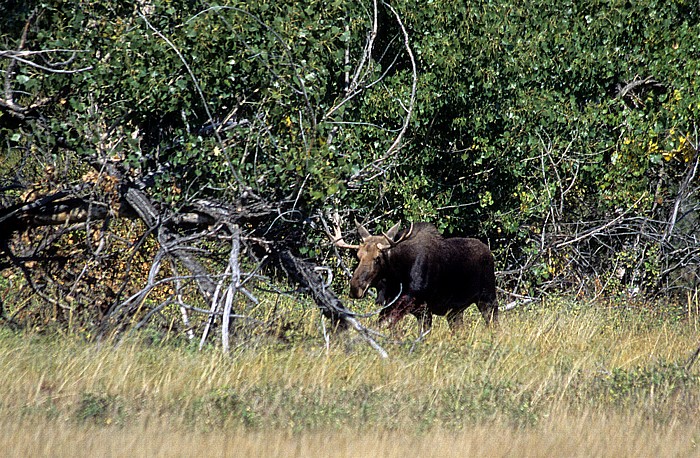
pixel 524 112
pixel 268 75
pixel 627 387
pixel 523 78
pixel 99 408
pixel 220 406
pixel 535 114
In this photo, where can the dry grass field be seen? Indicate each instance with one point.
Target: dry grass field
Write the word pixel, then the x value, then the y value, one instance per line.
pixel 558 379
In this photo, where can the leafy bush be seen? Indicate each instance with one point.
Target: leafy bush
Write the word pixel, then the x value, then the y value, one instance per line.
pixel 563 133
pixel 541 122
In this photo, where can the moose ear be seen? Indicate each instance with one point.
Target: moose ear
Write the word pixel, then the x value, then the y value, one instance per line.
pixel 391 233
pixel 364 233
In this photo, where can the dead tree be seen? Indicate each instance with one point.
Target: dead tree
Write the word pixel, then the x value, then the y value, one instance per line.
pixel 205 253
pixel 203 220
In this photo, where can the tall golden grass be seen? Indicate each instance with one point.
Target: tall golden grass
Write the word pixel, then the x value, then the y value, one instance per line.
pixel 581 436
pixel 555 380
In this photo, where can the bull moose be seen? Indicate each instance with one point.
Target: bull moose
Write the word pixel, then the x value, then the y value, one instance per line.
pixel 418 271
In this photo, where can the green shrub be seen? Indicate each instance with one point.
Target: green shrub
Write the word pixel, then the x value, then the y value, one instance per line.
pixel 561 132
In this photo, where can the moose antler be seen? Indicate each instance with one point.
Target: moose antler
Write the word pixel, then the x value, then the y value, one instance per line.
pixel 391 233
pixel 337 235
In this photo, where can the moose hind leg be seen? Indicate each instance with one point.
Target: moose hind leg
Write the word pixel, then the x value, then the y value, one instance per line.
pixel 489 310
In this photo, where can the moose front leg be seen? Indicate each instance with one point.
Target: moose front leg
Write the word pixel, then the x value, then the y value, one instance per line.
pixel 404 305
pixel 424 317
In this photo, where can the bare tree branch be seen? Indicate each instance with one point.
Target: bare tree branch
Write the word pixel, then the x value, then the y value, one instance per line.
pixel 234 285
pixel 330 305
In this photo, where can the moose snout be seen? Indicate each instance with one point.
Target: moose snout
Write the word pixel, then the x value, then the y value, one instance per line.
pixel 357 291
pixel 360 283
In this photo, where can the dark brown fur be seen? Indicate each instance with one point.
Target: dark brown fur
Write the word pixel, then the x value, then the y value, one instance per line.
pixel 426 274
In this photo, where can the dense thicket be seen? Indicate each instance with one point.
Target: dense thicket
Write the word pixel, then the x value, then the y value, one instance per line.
pixel 564 133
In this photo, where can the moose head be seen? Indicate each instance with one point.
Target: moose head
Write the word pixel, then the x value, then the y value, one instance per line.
pixel 371 254
pixel 372 261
